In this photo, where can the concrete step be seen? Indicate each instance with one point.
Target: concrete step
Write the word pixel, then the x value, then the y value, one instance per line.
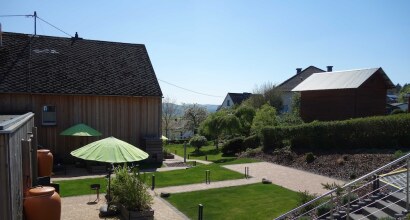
pixel 374 213
pixel 389 207
pixel 398 197
pixel 354 216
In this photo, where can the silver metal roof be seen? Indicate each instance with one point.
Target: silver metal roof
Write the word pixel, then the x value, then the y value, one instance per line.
pixel 350 79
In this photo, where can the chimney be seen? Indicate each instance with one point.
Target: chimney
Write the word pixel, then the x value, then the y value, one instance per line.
pixel 329 68
pixel 298 70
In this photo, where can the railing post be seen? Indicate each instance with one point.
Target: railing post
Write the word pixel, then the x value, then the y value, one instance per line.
pixel 407 184
pixel 349 189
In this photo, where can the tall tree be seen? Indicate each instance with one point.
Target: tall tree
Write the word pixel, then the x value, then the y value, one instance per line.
pixel 194 115
pixel 169 113
pixel 265 93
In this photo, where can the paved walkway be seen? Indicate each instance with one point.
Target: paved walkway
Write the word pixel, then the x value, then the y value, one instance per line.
pixel 297 180
pixel 290 178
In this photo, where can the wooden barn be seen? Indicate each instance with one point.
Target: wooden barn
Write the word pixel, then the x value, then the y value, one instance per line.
pixel 109 86
pixel 344 94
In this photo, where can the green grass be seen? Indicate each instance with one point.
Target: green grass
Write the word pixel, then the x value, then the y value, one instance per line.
pixel 192 175
pixel 257 201
pixel 212 153
pixel 80 186
pixel 162 179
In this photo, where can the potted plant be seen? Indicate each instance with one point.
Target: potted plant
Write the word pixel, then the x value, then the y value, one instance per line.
pixel 130 193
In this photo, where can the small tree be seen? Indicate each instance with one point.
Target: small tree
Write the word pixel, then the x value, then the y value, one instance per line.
pixel 194 114
pixel 169 113
pixel 265 116
pixel 245 114
pixel 198 141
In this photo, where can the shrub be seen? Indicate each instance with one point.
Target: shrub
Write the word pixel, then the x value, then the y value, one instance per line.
pixel 129 189
pixel 252 142
pixel 198 141
pixel 309 157
pixel 233 146
pixel 397 111
pixel 398 154
pixel 371 132
pixel 345 198
pixel 305 197
pixel 324 209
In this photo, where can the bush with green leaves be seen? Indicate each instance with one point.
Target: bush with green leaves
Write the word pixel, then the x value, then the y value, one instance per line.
pixel 233 146
pixel 324 210
pixel 198 141
pixel 309 157
pixel 252 142
pixel 371 132
pixel 265 116
pixel 130 190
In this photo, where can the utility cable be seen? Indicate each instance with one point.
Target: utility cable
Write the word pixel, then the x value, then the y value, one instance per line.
pixel 54 26
pixel 200 93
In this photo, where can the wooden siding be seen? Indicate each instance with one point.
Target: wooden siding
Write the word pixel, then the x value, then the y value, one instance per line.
pixel 11 170
pixel 128 118
pixel 341 104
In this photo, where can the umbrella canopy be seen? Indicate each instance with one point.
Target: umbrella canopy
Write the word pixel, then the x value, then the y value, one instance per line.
pixel 80 130
pixel 110 150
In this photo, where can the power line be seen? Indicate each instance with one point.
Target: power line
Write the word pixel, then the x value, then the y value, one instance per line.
pixel 200 93
pixel 36 16
pixel 54 26
pixel 16 15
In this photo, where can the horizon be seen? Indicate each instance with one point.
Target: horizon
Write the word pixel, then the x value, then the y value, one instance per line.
pixel 241 45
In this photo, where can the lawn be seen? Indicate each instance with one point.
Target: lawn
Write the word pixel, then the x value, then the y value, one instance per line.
pixel 193 175
pixel 210 151
pixel 162 179
pixel 80 186
pixel 256 201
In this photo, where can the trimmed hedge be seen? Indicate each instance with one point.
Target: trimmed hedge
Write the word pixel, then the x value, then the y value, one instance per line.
pixel 233 146
pixel 371 132
pixel 252 142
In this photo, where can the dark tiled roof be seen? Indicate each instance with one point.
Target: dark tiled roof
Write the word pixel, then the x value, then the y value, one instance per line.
pixel 238 98
pixel 85 67
pixel 292 82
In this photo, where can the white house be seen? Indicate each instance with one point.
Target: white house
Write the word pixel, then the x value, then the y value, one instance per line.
pixel 232 99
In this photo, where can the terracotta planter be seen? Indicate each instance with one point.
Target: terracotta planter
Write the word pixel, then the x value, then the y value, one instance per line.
pixel 45 162
pixel 136 215
pixel 42 203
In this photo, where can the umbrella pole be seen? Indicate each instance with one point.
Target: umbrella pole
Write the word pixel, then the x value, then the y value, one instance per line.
pixel 109 184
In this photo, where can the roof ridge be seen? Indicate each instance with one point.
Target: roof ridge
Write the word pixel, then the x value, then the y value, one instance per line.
pixel 60 38
pixel 352 70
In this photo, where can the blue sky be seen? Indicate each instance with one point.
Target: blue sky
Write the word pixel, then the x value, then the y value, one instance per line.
pixel 218 46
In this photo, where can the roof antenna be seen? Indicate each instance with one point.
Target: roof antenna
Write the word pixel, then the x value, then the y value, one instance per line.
pixel 35 22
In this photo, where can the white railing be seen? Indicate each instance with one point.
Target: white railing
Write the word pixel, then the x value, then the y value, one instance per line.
pixel 329 198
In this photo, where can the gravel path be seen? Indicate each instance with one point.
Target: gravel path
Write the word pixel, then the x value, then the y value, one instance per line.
pixel 290 178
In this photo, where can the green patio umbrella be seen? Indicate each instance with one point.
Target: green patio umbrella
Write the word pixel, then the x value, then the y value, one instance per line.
pixel 80 130
pixel 110 150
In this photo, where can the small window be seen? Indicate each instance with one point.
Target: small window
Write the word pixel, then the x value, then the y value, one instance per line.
pixel 49 115
pixel 229 103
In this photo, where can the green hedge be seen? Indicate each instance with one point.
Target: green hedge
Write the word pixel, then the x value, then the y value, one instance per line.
pixel 233 146
pixel 371 132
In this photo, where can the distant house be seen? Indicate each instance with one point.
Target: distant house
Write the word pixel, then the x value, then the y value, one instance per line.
pixel 402 106
pixel 286 87
pixel 110 86
pixel 344 94
pixel 232 99
pixel 392 98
